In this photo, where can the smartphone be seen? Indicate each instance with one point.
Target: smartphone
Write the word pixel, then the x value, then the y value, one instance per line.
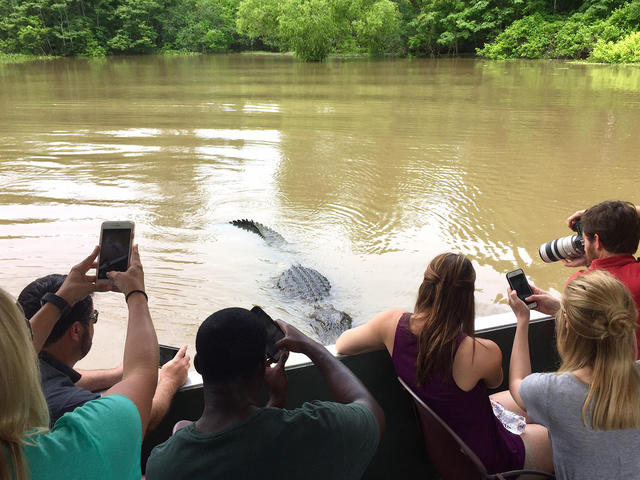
pixel 166 353
pixel 115 248
pixel 274 333
pixel 518 282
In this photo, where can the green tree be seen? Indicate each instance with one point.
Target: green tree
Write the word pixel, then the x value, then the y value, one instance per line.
pixel 625 50
pixel 136 26
pixel 308 28
pixel 259 19
pixel 379 28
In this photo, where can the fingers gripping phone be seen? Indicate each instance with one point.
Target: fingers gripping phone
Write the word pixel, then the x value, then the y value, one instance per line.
pixel 115 248
pixel 518 282
pixel 274 333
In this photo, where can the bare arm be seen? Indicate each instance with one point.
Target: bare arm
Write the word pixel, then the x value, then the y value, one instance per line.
pixel 75 287
pixel 98 380
pixel 171 377
pixel 140 366
pixel 520 365
pixel 377 333
pixel 490 355
pixel 343 384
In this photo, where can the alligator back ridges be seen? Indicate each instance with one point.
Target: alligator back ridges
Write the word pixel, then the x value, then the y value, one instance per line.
pixel 270 236
pixel 305 283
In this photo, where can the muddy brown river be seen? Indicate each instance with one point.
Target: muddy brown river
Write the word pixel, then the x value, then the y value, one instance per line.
pixel 368 169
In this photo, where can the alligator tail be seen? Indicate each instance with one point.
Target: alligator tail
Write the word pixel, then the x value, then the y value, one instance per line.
pixel 270 236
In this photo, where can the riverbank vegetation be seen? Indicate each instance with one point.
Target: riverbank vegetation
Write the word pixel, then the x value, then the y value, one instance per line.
pixel 595 30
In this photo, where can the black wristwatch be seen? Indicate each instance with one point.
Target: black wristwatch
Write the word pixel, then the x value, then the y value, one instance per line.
pixel 59 302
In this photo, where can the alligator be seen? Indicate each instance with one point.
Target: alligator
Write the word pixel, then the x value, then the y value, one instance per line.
pixel 306 284
pixel 271 237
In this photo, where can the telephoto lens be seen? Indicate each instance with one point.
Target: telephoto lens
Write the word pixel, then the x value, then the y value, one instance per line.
pixel 563 248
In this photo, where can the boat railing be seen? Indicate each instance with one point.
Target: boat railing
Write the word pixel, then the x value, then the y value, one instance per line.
pixel 401 451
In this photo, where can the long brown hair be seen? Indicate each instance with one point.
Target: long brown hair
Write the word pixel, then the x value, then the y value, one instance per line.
pixel 596 328
pixel 445 302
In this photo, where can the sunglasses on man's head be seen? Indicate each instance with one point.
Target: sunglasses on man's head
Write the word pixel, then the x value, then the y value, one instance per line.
pixel 93 318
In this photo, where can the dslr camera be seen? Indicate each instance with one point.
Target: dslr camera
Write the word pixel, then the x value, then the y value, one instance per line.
pixel 564 248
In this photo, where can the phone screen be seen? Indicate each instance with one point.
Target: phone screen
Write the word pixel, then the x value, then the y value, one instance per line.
pixel 520 284
pixel 114 251
pixel 166 353
pixel 273 334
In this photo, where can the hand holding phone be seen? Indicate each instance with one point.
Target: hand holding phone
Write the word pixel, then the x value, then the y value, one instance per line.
pixel 518 282
pixel 116 239
pixel 274 333
pixel 167 353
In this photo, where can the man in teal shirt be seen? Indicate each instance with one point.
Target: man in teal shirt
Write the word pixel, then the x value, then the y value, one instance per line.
pixel 236 438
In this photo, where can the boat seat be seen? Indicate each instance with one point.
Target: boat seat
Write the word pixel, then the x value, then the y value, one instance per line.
pixel 451 457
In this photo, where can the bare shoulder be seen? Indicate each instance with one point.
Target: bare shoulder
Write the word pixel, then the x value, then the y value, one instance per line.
pixel 489 346
pixel 477 359
pixel 479 351
pixel 387 321
pixel 389 316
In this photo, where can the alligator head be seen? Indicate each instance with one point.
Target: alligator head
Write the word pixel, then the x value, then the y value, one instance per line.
pixel 310 285
pixel 328 323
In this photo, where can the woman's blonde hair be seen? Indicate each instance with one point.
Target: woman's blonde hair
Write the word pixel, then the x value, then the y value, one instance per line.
pixel 24 409
pixel 595 327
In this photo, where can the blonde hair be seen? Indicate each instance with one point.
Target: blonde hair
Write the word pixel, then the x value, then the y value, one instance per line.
pixel 595 328
pixel 24 409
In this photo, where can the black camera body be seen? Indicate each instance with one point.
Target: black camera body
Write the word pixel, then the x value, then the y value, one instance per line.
pixel 564 248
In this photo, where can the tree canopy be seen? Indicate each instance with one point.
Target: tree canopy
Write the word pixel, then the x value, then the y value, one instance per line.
pixel 600 30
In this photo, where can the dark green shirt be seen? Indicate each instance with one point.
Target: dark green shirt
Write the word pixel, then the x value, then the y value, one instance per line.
pixel 320 440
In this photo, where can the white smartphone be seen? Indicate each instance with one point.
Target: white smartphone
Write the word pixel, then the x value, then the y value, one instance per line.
pixel 519 283
pixel 116 239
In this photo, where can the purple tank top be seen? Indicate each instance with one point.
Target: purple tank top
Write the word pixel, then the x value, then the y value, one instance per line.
pixel 469 414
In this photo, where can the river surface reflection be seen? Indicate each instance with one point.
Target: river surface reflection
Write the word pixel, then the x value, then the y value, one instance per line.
pixel 368 168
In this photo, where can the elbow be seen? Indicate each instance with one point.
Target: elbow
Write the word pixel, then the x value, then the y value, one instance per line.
pixel 342 345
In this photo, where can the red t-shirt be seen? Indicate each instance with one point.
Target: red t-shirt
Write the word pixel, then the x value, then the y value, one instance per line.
pixel 626 269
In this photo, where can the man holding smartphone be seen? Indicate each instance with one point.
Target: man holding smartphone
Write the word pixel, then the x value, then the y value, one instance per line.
pixel 65 388
pixel 237 438
pixel 611 232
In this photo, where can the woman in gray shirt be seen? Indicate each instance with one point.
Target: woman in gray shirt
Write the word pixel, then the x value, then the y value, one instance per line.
pixel 591 405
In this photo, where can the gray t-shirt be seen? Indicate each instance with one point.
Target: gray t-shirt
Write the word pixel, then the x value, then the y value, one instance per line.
pixel 579 452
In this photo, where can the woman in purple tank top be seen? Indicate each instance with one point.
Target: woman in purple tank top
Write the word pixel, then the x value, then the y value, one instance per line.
pixel 434 350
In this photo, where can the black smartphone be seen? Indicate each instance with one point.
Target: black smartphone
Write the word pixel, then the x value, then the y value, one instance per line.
pixel 115 248
pixel 274 333
pixel 166 353
pixel 518 282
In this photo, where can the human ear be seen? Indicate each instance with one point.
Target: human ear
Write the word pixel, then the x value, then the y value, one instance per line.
pixel 596 239
pixel 76 331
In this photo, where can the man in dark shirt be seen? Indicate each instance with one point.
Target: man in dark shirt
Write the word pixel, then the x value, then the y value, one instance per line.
pixel 70 340
pixel 237 438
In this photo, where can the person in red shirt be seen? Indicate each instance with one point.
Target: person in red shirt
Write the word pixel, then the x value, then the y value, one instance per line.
pixel 611 232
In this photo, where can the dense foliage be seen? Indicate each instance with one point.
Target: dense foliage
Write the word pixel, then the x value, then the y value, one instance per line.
pixel 599 30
